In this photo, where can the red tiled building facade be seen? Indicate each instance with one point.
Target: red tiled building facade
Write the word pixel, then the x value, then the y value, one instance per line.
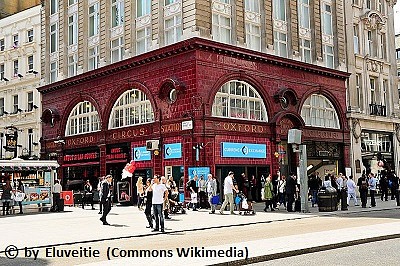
pixel 181 82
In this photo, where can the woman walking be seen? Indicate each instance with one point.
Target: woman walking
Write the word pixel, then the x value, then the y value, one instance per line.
pixel 6 196
pixel 268 194
pixel 140 193
pixel 148 197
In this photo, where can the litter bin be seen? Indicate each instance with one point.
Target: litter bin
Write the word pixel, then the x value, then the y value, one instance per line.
pixel 61 205
pixel 327 200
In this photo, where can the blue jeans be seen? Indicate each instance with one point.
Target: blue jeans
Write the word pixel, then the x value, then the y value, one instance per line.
pixel 158 214
pixel 314 194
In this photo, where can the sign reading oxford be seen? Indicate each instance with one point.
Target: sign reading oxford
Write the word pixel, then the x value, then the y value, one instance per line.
pixel 173 151
pixel 243 150
pixel 141 154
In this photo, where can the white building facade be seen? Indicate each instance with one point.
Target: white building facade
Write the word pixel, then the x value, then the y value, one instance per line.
pixel 19 79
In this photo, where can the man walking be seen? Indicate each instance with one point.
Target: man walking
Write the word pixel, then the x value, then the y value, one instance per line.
pixel 372 181
pixel 351 191
pixel 159 193
pixel 290 191
pixel 212 191
pixel 228 193
pixel 57 188
pixel 106 198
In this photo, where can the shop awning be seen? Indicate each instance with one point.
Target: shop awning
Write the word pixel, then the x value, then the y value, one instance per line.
pixel 79 164
pixel 18 164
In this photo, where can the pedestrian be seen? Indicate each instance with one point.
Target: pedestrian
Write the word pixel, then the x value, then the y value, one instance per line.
pixel 351 191
pixel 253 187
pixel 57 188
pixel 314 187
pixel 228 193
pixel 202 193
pixel 167 198
pixel 282 191
pixel 372 181
pixel 99 189
pixel 106 198
pixel 327 182
pixel 20 189
pixel 148 194
pixel 383 186
pixel 140 193
pixel 362 184
pixel 6 196
pixel 193 192
pixel 211 186
pixel 395 179
pixel 87 195
pixel 290 191
pixel 339 185
pixel 268 194
pixel 160 192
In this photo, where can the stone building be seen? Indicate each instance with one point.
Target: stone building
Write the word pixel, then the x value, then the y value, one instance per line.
pixel 373 99
pixel 19 79
pixel 10 7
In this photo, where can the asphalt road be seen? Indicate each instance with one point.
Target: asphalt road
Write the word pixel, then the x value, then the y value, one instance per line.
pixel 370 254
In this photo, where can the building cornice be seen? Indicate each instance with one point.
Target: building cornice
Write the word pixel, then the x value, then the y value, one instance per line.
pixel 191 45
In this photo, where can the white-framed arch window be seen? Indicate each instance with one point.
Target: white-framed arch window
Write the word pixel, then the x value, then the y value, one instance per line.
pixel 84 118
pixel 239 100
pixel 318 111
pixel 132 108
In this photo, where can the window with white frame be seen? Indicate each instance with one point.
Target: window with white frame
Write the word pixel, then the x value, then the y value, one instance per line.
pixel 15 40
pixel 53 72
pixel 84 118
pixel 94 19
pixel 1 72
pixel 1 107
pixel 372 88
pixel 371 43
pixel 29 97
pixel 53 38
pixel 359 92
pixel 73 29
pixel 382 46
pixel 329 56
pixel 93 55
pixel 30 35
pixel 132 108
pixel 327 27
pixel 280 44
pixel 252 6
pixel 117 49
pixel 279 9
pixel 168 2
pixel 384 92
pixel 173 29
pixel 221 28
pixel 2 45
pixel 53 6
pixel 72 65
pixel 369 4
pixel 16 67
pixel 305 49
pixel 304 13
pixel 355 2
pixel 143 40
pixel 356 39
pixel 143 8
pixel 117 13
pixel 239 100
pixel 30 62
pixel 71 2
pixel 15 104
pixel 253 36
pixel 318 111
pixel 380 4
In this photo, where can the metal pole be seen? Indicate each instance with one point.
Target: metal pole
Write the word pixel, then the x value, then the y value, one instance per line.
pixel 303 179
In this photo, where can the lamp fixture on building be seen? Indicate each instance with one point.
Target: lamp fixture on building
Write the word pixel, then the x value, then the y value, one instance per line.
pixel 5 79
pixel 35 106
pixel 20 75
pixel 33 72
pixel 19 110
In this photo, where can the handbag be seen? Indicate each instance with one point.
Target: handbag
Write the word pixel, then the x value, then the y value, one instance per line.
pixel 19 196
pixel 237 200
pixel 215 200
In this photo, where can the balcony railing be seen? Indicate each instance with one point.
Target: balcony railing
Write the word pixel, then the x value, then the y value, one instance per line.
pixel 377 109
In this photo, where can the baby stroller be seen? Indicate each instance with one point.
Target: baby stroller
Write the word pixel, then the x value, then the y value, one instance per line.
pixel 245 207
pixel 175 206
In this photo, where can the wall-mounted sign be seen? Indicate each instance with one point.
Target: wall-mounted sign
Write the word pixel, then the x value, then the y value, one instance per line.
pixel 243 150
pixel 199 171
pixel 116 154
pixel 141 154
pixel 187 125
pixel 173 151
pixel 11 142
pixel 81 156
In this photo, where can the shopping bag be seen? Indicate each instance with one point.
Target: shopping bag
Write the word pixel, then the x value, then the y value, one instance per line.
pixel 215 200
pixel 19 196
pixel 245 205
pixel 193 197
pixel 237 200
pixel 262 194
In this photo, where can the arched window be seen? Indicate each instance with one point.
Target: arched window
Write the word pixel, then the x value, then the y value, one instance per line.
pixel 131 108
pixel 318 111
pixel 83 119
pixel 239 100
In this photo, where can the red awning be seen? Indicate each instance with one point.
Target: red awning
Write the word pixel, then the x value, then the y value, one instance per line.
pixel 117 161
pixel 79 164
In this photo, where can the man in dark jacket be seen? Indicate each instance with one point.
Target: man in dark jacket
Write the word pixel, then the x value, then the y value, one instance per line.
pixel 362 184
pixel 106 198
pixel 290 191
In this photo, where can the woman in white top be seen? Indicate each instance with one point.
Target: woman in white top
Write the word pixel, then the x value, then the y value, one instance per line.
pixel 327 182
pixel 140 193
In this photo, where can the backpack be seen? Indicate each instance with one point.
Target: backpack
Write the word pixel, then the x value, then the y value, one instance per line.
pixel 364 184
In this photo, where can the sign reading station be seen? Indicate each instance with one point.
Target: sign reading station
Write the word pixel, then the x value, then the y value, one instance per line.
pixel 173 151
pixel 243 150
pixel 141 154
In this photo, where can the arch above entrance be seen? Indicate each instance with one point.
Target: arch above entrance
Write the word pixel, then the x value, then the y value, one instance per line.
pixel 284 121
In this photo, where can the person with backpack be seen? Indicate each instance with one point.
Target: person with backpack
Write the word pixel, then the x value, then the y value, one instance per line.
pixel 362 184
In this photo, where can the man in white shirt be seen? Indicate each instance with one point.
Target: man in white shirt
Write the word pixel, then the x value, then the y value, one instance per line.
pixel 351 191
pixel 57 188
pixel 228 193
pixel 159 193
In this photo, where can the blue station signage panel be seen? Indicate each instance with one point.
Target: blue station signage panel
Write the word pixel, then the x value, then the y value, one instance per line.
pixel 173 151
pixel 141 154
pixel 243 150
pixel 199 171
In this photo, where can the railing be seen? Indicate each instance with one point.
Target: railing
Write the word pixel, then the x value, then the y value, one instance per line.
pixel 377 109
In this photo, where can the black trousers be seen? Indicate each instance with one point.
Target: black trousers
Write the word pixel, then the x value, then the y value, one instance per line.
pixel 372 194
pixel 363 195
pixel 106 210
pixel 290 201
pixel 56 201
pixel 88 198
pixel 6 207
pixel 384 192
